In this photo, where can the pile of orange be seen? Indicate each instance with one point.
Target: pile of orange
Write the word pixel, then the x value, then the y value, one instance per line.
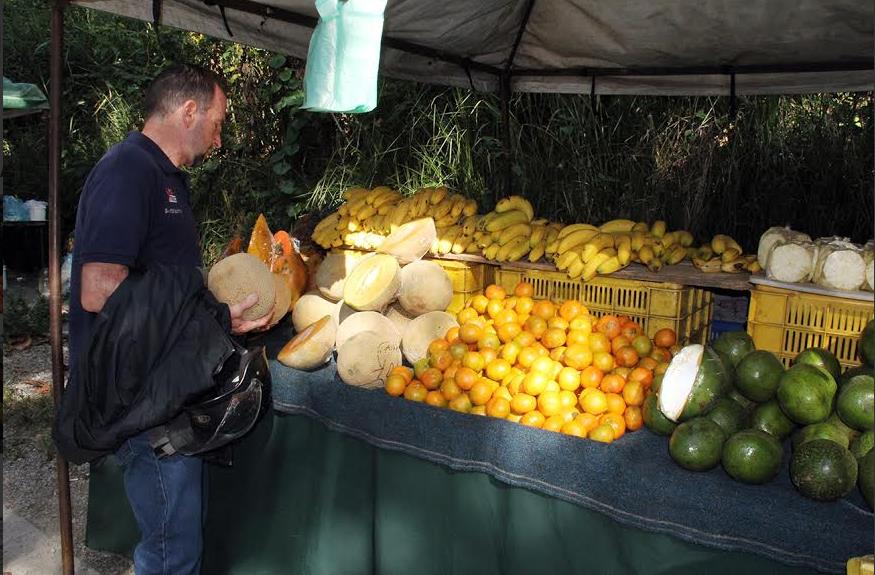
pixel 541 363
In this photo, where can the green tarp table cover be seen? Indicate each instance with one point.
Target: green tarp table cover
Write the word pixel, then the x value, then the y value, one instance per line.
pixel 304 499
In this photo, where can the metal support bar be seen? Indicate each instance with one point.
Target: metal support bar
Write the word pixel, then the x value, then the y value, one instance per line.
pixel 505 91
pixel 65 511
pixel 844 66
pixel 258 9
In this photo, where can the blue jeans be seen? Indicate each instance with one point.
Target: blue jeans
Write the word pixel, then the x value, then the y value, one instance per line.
pixel 169 504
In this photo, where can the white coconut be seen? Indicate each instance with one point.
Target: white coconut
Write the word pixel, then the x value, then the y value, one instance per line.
pixel 791 261
pixel 677 383
pixel 839 265
pixel 774 235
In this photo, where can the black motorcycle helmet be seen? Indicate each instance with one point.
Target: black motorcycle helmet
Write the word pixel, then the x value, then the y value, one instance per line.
pixel 223 414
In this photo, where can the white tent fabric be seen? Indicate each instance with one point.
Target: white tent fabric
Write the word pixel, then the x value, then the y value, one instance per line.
pixel 659 47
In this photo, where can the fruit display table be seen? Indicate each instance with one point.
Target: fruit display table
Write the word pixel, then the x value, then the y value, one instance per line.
pixel 346 480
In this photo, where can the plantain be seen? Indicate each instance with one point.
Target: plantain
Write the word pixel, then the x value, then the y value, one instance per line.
pixel 445 221
pixel 733 267
pixel 576 238
pixel 705 252
pixel 469 225
pixel 676 254
pixel 638 239
pixel 641 227
pixel 461 243
pixel 655 265
pixel 685 238
pixel 722 242
pixel 646 255
pixel 658 228
pixel 571 228
pixel 590 268
pixel 596 245
pixel 729 255
pixel 516 203
pixel 354 193
pixel 437 195
pixel 491 250
pixel 564 260
pixel 575 269
pixel 507 219
pixel 538 233
pixel 618 225
pixel 470 208
pixel 708 266
pixel 514 249
pixel 610 265
pixel 668 239
pixel 753 267
pixel 537 251
pixel 623 243
pixel 512 232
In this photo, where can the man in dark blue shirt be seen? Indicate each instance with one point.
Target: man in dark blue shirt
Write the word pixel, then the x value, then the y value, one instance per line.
pixel 135 211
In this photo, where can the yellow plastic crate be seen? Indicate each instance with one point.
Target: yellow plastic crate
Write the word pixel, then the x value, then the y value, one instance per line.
pixel 786 322
pixel 654 305
pixel 467 277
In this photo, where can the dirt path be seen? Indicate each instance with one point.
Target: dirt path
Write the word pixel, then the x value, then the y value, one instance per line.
pixel 29 484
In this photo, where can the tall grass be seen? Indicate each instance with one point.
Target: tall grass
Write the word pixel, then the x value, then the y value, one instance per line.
pixel 802 160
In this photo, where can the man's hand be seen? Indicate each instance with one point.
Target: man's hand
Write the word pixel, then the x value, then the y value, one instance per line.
pixel 239 325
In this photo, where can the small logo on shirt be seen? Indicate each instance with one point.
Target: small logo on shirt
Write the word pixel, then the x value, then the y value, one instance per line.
pixel 171 197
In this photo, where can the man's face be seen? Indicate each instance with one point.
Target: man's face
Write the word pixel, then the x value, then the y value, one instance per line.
pixel 206 132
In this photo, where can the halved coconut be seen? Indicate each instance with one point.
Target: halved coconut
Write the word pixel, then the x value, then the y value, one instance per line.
pixel 333 271
pixel 694 381
pixel 410 241
pixel 366 321
pixel 366 359
pixel 423 330
pixel 310 308
pixel 425 287
pixel 312 347
pixel 373 283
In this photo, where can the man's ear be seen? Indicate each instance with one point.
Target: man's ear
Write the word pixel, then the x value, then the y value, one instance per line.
pixel 189 111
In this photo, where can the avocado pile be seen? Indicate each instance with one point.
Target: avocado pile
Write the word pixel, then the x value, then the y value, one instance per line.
pixel 739 411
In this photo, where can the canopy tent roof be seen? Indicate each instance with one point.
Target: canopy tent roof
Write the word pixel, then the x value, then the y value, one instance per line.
pixel 659 47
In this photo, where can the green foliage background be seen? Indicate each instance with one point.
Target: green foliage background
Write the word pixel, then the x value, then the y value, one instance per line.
pixel 803 160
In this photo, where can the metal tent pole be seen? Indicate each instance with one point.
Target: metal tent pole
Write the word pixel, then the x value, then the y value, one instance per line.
pixel 65 511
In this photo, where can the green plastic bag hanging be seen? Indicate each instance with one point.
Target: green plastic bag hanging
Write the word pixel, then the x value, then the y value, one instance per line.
pixel 344 56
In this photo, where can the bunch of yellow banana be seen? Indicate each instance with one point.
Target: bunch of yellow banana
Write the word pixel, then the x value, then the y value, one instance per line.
pixel 654 246
pixel 723 254
pixel 504 234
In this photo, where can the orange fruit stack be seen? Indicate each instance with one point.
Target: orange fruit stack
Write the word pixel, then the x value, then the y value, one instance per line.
pixel 540 363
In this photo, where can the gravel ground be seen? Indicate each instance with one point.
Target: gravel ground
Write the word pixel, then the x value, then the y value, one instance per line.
pixel 29 482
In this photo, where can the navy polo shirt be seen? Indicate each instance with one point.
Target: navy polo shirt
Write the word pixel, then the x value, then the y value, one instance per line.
pixel 135 210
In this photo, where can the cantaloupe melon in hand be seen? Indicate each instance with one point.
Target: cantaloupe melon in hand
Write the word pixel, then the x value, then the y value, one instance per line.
pixel 312 347
pixel 235 277
pixel 366 359
pixel 425 287
pixel 373 283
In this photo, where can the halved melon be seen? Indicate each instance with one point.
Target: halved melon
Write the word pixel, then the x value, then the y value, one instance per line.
pixel 310 308
pixel 425 287
pixel 312 347
pixel 695 379
pixel 366 321
pixel 333 271
pixel 373 283
pixel 423 330
pixel 410 241
pixel 366 359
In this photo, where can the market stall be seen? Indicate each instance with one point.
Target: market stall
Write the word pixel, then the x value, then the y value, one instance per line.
pixel 326 475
